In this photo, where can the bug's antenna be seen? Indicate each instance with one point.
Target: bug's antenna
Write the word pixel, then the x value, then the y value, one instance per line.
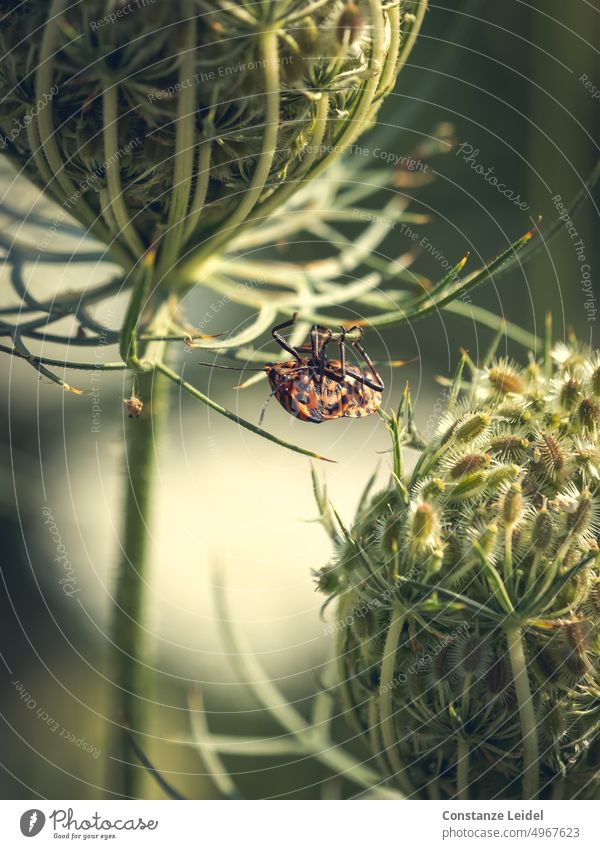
pixel 264 408
pixel 230 368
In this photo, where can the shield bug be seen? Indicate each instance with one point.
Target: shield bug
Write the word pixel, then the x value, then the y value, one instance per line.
pixel 314 388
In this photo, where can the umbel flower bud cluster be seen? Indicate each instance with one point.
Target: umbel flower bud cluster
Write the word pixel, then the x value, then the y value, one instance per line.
pixel 476 673
pixel 185 119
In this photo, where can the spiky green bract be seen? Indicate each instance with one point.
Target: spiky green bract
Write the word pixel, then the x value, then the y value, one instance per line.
pixel 476 672
pixel 182 120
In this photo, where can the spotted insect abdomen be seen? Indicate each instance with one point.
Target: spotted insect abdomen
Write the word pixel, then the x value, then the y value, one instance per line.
pixel 359 400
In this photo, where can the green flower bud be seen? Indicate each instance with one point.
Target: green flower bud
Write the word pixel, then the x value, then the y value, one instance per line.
pixel 511 508
pixel 468 464
pixel 580 520
pixel 432 488
pixel 509 447
pixel 576 646
pixel 487 540
pixel 548 453
pixel 589 414
pixel 470 486
pixel 501 475
pixel 570 394
pixel 327 579
pixel 471 427
pixel 541 531
pixel 505 380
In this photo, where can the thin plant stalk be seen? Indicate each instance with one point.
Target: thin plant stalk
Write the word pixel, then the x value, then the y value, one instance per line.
pixel 526 707
pixel 131 671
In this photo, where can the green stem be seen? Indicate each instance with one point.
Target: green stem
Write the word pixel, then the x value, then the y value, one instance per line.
pixel 138 300
pixel 112 156
pixel 178 379
pixel 508 553
pixel 463 749
pixel 462 768
pixel 386 714
pixel 43 138
pixel 183 165
pixel 131 672
pixel 529 733
pixel 312 741
pixel 248 200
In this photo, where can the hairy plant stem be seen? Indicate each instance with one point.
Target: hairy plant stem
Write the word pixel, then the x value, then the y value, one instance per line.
pixel 529 732
pixel 386 715
pixel 130 670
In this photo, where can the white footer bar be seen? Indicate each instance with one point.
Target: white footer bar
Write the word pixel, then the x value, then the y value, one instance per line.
pixel 301 824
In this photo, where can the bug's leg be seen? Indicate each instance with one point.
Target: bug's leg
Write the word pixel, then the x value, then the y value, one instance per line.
pixel 376 384
pixel 283 342
pixel 316 331
pixel 343 332
pixel 323 352
pixel 314 341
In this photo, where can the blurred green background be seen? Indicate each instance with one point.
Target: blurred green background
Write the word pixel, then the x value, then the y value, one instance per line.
pixel 511 80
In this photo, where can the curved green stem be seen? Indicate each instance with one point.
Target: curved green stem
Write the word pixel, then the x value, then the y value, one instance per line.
pixel 178 379
pixel 128 348
pixel 310 738
pixel 386 711
pixel 529 731
pixel 199 198
pixel 43 137
pixel 250 197
pixel 112 154
pixel 184 148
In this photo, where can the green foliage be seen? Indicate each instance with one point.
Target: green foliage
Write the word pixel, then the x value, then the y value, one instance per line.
pixel 468 591
pixel 181 121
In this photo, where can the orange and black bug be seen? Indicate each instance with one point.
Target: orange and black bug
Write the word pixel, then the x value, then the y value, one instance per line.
pixel 314 388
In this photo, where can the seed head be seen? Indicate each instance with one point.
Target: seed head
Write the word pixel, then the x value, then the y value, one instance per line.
pixel 595 381
pixel 519 511
pixel 570 393
pixel 350 24
pixel 589 414
pixel 513 500
pixel 467 464
pixel 471 427
pixel 549 454
pixel 509 447
pixel 497 677
pixel 541 531
pixel 505 379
